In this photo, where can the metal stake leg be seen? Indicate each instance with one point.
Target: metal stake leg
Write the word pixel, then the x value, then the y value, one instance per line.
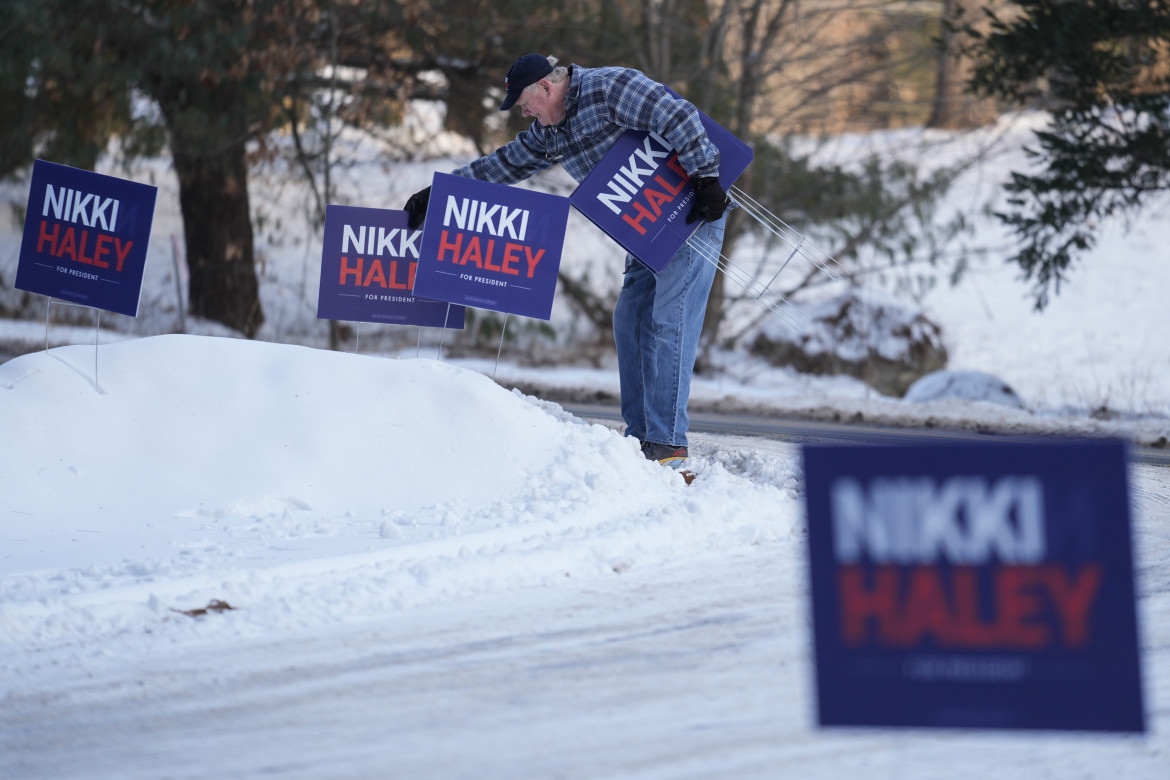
pixel 443 337
pixel 503 330
pixel 96 337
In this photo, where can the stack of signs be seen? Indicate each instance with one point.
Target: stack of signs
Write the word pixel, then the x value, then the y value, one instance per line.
pixel 368 265
pixel 491 246
pixel 986 586
pixel 640 196
pixel 85 238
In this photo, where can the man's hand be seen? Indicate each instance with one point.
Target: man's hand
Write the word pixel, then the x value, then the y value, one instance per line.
pixel 416 206
pixel 710 199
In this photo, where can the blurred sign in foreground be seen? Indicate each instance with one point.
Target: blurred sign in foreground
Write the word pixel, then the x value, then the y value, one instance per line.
pixel 985 586
pixel 85 237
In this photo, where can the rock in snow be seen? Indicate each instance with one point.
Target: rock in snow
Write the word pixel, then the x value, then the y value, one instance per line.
pixel 964 386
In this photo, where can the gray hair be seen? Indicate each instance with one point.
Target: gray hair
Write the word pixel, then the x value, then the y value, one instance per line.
pixel 558 74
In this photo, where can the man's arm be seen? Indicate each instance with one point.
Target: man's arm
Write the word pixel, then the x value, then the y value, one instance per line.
pixel 507 165
pixel 512 162
pixel 639 103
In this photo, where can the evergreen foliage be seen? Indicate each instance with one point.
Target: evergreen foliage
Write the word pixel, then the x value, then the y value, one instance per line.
pixel 1101 67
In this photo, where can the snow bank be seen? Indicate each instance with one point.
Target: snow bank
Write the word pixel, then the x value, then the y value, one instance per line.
pixel 301 486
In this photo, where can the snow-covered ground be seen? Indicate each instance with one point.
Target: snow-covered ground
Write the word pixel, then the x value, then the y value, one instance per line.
pixel 430 575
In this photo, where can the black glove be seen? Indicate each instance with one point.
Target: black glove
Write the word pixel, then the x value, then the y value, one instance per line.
pixel 710 199
pixel 417 208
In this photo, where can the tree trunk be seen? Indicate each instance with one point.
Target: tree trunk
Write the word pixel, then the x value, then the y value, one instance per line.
pixel 213 194
pixel 942 113
pixel 761 23
pixel 211 164
pixel 954 107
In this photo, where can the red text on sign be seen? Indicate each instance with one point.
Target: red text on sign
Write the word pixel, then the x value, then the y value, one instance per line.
pixel 62 241
pixel 464 249
pixel 1019 607
pixel 388 276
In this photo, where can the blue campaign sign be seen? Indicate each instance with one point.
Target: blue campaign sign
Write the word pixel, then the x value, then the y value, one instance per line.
pixel 85 237
pixel 974 586
pixel 640 195
pixel 491 246
pixel 368 262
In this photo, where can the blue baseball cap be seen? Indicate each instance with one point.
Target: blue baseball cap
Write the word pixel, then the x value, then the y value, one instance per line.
pixel 524 72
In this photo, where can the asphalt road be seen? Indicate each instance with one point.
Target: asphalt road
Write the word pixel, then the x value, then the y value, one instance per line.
pixel 815 432
pixel 811 431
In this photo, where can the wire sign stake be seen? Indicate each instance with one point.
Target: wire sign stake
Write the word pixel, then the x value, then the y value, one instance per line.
pixel 767 297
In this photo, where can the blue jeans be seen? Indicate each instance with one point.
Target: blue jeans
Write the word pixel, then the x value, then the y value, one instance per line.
pixel 656 326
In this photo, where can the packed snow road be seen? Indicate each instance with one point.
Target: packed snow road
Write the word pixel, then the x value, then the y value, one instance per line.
pixel 688 669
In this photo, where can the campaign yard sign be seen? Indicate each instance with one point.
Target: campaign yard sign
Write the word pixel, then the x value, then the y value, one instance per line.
pixel 85 237
pixel 368 263
pixel 640 195
pixel 491 246
pixel 974 586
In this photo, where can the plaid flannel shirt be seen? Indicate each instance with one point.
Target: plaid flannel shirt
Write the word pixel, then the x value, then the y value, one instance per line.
pixel 600 105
